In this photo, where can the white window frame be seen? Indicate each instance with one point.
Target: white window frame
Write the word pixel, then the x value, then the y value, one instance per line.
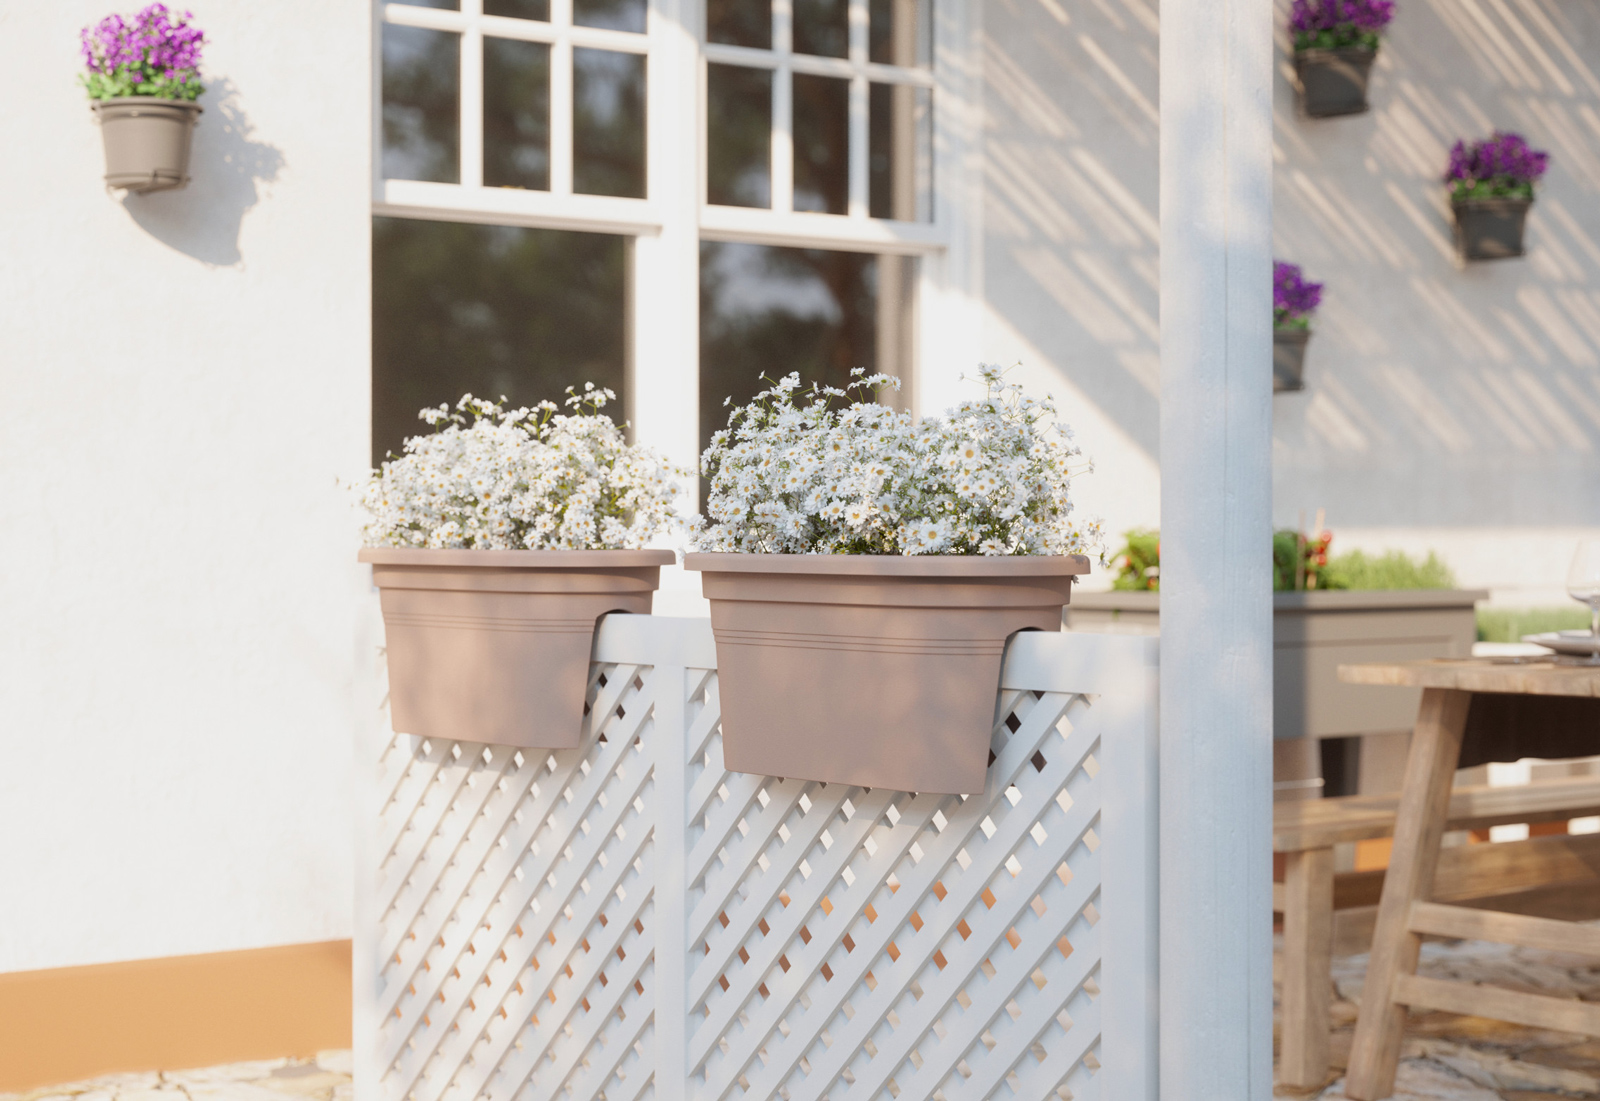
pixel 665 228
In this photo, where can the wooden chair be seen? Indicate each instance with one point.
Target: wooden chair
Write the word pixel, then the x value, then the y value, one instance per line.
pixel 1306 832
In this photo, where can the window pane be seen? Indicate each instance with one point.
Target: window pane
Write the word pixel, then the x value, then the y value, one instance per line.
pixel 900 32
pixel 822 27
pixel 518 9
pixel 490 310
pixel 607 123
pixel 821 144
pixel 421 104
pixel 516 114
pixel 740 22
pixel 900 158
pixel 617 15
pixel 774 310
pixel 739 129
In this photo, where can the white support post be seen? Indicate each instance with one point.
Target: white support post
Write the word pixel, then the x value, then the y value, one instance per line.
pixel 1216 496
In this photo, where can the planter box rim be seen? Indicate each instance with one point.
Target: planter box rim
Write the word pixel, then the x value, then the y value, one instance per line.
pixel 146 101
pixel 1503 201
pixel 1291 336
pixel 458 558
pixel 1337 600
pixel 891 565
pixel 1313 53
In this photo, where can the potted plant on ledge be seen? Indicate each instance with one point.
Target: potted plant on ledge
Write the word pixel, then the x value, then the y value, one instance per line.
pixel 1491 188
pixel 496 545
pixel 143 76
pixel 1294 299
pixel 865 569
pixel 1335 44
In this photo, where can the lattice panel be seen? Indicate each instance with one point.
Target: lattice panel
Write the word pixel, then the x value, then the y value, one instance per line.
pixel 852 944
pixel 516 935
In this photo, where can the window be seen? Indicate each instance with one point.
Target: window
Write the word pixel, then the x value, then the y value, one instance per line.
pixel 585 190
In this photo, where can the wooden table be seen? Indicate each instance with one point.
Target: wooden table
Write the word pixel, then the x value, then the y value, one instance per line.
pixel 1454 693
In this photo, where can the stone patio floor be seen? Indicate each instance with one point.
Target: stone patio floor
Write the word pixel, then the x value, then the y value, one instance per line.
pixel 1446 1057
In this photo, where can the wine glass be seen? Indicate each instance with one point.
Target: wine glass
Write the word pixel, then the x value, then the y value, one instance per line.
pixel 1583 584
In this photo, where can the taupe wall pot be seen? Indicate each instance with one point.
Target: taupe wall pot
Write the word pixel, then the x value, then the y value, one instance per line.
pixel 1491 229
pixel 877 671
pixel 147 141
pixel 1333 82
pixel 493 646
pixel 1289 359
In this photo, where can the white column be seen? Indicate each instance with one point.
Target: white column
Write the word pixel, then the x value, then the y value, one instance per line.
pixel 1216 598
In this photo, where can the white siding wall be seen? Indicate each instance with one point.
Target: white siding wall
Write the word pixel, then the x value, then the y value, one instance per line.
pixel 1451 409
pixel 187 642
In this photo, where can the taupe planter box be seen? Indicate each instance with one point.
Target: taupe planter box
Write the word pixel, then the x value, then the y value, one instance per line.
pixel 1313 633
pixel 493 646
pixel 878 671
pixel 1333 82
pixel 147 141
pixel 1289 359
pixel 1491 229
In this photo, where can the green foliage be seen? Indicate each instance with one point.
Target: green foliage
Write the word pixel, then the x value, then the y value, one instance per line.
pixel 120 85
pixel 1392 570
pixel 1289 547
pixel 1510 624
pixel 1339 38
pixel 1139 562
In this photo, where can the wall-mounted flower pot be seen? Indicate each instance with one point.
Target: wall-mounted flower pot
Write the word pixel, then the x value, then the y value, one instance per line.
pixel 1333 82
pixel 493 646
pixel 147 141
pixel 1289 359
pixel 877 671
pixel 1490 229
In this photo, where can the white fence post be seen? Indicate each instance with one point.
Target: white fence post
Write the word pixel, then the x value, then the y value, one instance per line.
pixel 1216 498
pixel 629 919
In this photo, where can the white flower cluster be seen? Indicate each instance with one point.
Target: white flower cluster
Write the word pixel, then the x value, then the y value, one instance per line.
pixel 521 479
pixel 806 477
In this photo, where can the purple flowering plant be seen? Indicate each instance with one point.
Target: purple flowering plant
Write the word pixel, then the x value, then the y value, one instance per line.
pixel 1293 297
pixel 154 53
pixel 1338 24
pixel 1503 167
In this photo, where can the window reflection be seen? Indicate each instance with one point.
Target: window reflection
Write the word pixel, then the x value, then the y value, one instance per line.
pixel 490 310
pixel 900 152
pixel 822 27
pixel 739 136
pixel 616 15
pixel 768 310
pixel 518 9
pixel 421 104
pixel 900 32
pixel 821 144
pixel 608 108
pixel 516 114
pixel 449 5
pixel 740 23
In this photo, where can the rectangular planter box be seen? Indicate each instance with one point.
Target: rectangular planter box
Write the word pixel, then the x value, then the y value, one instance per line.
pixel 1313 633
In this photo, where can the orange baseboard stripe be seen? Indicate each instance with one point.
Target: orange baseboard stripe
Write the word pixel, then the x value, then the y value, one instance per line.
pixel 71 1023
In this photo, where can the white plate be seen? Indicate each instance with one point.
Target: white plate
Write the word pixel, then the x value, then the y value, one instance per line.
pixel 1581 643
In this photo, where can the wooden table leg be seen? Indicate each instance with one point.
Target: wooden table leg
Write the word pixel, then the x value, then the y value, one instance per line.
pixel 1307 967
pixel 1419 826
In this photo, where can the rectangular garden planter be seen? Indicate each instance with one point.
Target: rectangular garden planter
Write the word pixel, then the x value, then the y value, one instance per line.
pixel 630 919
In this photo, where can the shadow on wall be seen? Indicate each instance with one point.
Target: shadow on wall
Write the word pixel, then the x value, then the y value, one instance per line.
pixel 228 168
pixel 1441 393
pixel 1071 231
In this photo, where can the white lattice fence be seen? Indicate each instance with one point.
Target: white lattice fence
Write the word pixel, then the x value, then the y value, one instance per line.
pixel 801 940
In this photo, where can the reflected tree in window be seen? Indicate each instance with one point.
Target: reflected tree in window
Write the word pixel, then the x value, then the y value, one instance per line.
pixel 421 104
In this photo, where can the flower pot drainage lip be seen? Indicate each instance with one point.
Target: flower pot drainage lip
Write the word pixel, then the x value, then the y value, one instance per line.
pixel 923 565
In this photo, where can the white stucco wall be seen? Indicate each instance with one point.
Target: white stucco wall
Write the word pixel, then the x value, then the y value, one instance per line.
pixel 187 647
pixel 1447 408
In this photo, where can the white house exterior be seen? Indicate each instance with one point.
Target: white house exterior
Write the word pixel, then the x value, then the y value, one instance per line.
pixel 190 654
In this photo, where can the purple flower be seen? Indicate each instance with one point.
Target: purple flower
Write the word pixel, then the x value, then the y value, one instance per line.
pixel 151 53
pixel 1332 24
pixel 1293 297
pixel 1503 165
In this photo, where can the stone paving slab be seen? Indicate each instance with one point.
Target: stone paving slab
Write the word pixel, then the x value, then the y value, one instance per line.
pixel 324 1078
pixel 1450 1057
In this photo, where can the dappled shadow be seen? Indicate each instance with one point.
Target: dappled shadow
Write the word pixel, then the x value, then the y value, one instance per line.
pixel 228 168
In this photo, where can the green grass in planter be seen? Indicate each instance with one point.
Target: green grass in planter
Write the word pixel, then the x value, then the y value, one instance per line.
pixel 1510 624
pixel 1392 570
